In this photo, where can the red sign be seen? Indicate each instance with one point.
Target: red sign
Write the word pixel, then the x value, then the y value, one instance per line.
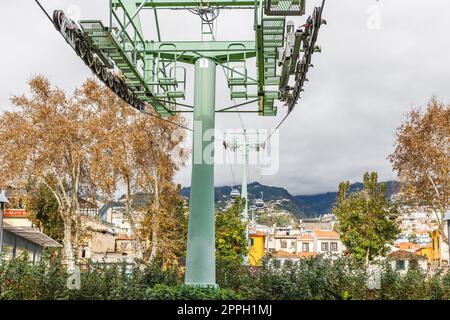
pixel 15 213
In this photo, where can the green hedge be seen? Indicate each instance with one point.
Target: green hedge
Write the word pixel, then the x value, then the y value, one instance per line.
pixel 312 279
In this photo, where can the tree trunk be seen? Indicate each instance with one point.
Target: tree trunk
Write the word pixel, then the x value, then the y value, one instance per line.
pixel 155 231
pixel 134 229
pixel 69 256
pixel 155 220
pixel 367 257
pixel 442 231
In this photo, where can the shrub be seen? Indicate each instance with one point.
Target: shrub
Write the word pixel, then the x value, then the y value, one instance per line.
pixel 317 278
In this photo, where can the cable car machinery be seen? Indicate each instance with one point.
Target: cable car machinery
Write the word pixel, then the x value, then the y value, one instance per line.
pixel 148 74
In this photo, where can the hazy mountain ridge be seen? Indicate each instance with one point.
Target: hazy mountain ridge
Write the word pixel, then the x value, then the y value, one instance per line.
pixel 300 205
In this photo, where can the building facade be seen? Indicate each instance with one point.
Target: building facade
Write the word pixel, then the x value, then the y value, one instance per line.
pixel 21 237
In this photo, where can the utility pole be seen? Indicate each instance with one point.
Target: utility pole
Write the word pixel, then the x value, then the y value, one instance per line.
pixel 245 142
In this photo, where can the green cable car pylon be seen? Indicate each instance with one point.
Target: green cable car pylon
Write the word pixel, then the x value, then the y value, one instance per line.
pixel 149 73
pixel 245 142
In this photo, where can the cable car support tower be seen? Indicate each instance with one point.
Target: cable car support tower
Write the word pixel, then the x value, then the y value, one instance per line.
pixel 149 74
pixel 244 142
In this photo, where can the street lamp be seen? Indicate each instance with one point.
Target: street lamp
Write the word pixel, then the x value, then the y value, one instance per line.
pixel 3 201
pixel 447 218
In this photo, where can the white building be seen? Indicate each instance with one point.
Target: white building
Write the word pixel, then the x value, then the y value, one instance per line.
pixel 295 242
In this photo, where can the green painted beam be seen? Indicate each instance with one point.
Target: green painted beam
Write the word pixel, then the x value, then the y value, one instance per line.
pixel 130 7
pixel 200 46
pixel 189 3
pixel 186 51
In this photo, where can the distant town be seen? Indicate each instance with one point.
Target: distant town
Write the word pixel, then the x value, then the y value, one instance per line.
pixel 273 232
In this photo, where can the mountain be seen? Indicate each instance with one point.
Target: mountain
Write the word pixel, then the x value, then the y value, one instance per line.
pixel 255 190
pixel 301 206
pixel 320 204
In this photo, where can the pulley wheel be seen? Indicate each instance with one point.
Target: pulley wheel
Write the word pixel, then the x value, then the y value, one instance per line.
pixel 105 75
pixel 98 66
pixel 83 49
pixel 90 59
pixel 111 81
pixel 57 19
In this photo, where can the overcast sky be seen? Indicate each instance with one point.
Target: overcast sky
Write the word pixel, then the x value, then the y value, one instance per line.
pixel 363 83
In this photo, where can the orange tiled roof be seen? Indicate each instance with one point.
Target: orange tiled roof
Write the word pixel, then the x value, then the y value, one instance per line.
pixel 407 246
pixel 125 237
pixel 404 254
pixel 326 234
pixel 255 233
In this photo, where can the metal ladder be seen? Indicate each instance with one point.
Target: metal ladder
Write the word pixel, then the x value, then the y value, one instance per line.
pixel 273 38
pixel 106 43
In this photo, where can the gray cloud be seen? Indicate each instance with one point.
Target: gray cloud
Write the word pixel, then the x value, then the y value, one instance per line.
pixel 363 82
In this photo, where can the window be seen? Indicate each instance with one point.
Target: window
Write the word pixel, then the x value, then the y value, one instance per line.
pixel 324 246
pixel 334 246
pixel 252 242
pixel 400 265
pixel 283 244
pixel 305 247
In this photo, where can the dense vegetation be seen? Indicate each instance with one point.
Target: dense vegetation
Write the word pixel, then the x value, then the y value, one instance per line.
pixel 367 221
pixel 315 278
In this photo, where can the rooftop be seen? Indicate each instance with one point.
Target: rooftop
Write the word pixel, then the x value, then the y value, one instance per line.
pixel 405 255
pixel 33 235
pixel 328 234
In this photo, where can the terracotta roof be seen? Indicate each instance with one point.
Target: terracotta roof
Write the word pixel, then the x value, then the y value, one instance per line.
pixel 255 233
pixel 407 246
pixel 326 234
pixel 305 237
pixel 125 237
pixel 406 255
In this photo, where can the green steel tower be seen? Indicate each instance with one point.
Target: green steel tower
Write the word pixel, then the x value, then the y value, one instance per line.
pixel 244 141
pixel 150 73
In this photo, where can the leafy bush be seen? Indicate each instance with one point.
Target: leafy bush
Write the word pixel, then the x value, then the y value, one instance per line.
pixel 19 280
pixel 315 278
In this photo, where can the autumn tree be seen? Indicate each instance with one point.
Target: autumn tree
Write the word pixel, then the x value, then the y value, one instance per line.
pixel 172 227
pixel 139 151
pixel 113 164
pixel 422 159
pixel 367 221
pixel 158 154
pixel 46 141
